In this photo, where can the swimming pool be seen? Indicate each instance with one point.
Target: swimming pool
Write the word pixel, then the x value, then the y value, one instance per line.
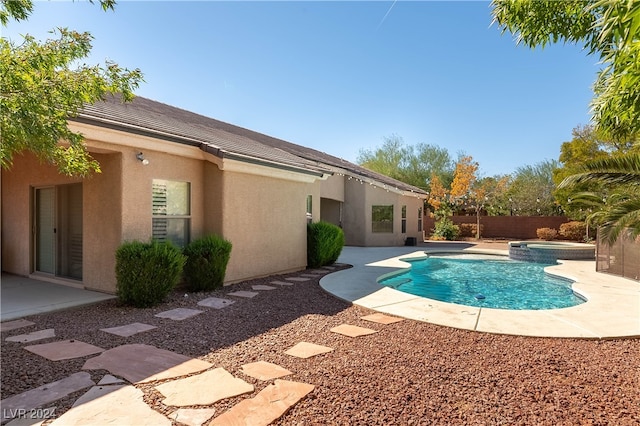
pixel 484 281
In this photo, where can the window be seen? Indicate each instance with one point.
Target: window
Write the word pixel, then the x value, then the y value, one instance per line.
pixel 382 219
pixel 309 209
pixel 171 211
pixel 420 219
pixel 404 219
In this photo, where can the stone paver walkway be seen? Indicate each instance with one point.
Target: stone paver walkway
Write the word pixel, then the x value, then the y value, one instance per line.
pixel 381 318
pixel 112 405
pixel 33 336
pixel 44 394
pixel 178 314
pixel 188 382
pixel 65 349
pixel 143 363
pixel 352 330
pixel 129 330
pixel 263 370
pixel 307 350
pixel 14 325
pixel 203 389
pixel 243 293
pixel 215 302
pixel 270 404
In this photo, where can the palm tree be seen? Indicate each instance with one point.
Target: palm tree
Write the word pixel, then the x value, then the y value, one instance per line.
pixel 619 209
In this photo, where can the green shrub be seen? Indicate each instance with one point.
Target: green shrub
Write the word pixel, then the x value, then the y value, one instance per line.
pixel 446 229
pixel 207 259
pixel 574 230
pixel 324 243
pixel 546 234
pixel 147 272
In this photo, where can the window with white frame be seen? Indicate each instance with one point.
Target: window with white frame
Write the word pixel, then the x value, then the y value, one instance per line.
pixel 420 219
pixel 171 215
pixel 382 219
pixel 309 209
pixel 404 219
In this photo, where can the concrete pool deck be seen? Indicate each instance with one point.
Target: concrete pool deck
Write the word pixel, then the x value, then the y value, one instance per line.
pixel 612 309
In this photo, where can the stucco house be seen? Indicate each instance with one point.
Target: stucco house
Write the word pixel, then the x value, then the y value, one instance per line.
pixel 171 174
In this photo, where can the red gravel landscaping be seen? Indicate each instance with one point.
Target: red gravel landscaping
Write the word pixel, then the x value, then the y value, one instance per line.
pixel 407 373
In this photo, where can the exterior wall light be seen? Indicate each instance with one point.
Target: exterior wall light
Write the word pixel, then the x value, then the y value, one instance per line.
pixel 140 157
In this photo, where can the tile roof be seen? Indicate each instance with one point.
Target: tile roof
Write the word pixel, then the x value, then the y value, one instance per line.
pixel 222 139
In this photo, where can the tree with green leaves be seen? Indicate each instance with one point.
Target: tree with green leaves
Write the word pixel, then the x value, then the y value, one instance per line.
pixel 531 190
pixel 608 29
pixel 409 164
pixel 42 85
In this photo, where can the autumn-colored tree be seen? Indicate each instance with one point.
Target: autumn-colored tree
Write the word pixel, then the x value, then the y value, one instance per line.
pixel 464 177
pixel 437 194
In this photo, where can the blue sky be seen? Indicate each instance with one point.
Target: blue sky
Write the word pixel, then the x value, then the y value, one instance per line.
pixel 341 76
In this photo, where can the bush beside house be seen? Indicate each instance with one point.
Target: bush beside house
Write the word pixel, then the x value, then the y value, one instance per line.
pixel 207 260
pixel 324 244
pixel 147 272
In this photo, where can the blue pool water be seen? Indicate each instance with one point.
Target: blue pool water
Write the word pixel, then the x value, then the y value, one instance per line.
pixel 488 281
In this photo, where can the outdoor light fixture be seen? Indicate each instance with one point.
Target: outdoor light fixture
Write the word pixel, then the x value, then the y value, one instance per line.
pixel 140 157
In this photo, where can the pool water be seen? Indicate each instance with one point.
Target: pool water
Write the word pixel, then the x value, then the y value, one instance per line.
pixel 491 282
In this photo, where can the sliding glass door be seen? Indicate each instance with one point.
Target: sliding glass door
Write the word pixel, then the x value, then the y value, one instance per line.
pixel 58 230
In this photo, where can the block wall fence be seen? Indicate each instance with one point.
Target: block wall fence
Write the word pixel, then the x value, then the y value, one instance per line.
pixel 508 227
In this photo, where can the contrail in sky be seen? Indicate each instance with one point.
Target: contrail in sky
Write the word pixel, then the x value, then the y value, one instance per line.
pixel 386 14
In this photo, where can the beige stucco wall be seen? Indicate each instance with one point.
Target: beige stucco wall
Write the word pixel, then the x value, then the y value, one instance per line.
pixel 265 220
pixel 359 199
pixel 101 213
pixel 333 187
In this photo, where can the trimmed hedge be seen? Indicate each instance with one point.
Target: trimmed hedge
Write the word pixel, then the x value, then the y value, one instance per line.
pixel 324 243
pixel 574 230
pixel 546 234
pixel 147 272
pixel 207 260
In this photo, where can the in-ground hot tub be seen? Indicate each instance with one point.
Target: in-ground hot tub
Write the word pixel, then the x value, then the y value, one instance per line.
pixel 550 251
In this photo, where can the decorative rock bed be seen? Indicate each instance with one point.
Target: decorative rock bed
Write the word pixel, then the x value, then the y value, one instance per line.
pixel 550 252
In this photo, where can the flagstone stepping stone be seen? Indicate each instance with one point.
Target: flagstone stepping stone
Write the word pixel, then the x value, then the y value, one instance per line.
pixel 13 325
pixel 242 293
pixel 215 302
pixel 281 283
pixel 44 394
pixel 317 271
pixel 113 405
pixel 263 370
pixel 179 314
pixel 129 329
pixel 267 406
pixel 310 275
pixel 203 389
pixel 381 318
pixel 65 349
pixel 263 287
pixel 33 336
pixel 193 416
pixel 352 330
pixel 298 279
pixel 330 268
pixel 140 363
pixel 307 350
pixel 108 379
